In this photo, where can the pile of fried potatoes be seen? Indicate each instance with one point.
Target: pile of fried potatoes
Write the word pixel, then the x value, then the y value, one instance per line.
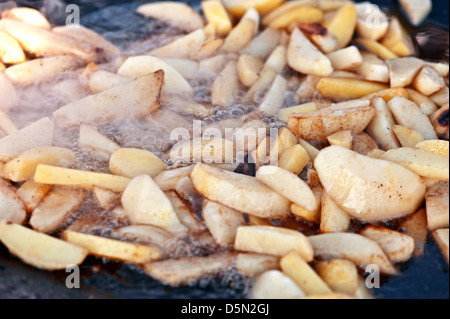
pixel 362 151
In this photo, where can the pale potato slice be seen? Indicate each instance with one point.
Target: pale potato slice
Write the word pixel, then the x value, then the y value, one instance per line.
pixel 372 22
pixel 136 99
pixel 288 185
pixel 55 208
pixel 6 124
pixel 169 179
pixel 203 149
pixel 389 94
pixel 407 137
pixel 31 194
pixel 408 114
pixel 440 147
pixel 239 36
pixel 186 67
pixel 225 85
pixel 40 250
pixel 184 214
pixel 428 81
pixel 373 69
pixel 265 79
pixel 421 162
pixel 40 70
pixel 11 207
pixel 39 133
pixel 340 275
pixel 312 216
pixel 363 143
pixel 347 88
pixel 252 265
pixel 146 204
pixel 7 89
pixel 137 66
pixel 224 187
pixel 441 238
pixel 417 10
pixel 359 249
pixel 238 7
pixel 375 153
pixel 294 159
pixel 183 271
pixel 437 206
pixel 295 267
pixel 343 138
pixel 397 39
pixel 319 35
pixel 274 99
pixel 45 43
pixel 277 60
pixel 346 59
pixel 100 146
pixel 415 226
pixel 23 167
pixel 332 218
pixel 222 222
pixel 248 68
pixel 271 240
pixel 186 18
pixel 274 284
pixel 284 113
pixel 397 246
pixel 426 104
pixel 305 58
pixel 441 97
pixel 285 8
pixel 145 233
pixel 132 162
pixel 27 15
pixel 181 48
pixel 113 249
pixel 403 71
pixel 216 14
pixel 376 48
pixel 263 44
pixel 366 188
pixel 208 49
pixel 300 14
pixel 363 292
pixel 343 24
pixel 310 149
pixel 106 199
pixel 52 175
pixel 320 124
pixel 441 67
pixel 10 50
pixel 254 15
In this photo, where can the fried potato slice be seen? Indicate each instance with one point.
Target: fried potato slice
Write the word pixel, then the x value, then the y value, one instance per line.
pixel 248 68
pixel 343 24
pixel 376 48
pixel 274 241
pixel 417 10
pixel 437 206
pixel 346 59
pixel 439 147
pixel 361 250
pixel 39 133
pixel 320 124
pixel 29 16
pixel 136 99
pixel 263 43
pixel 145 234
pixel 169 179
pixel 225 85
pixel 428 81
pixel 239 36
pixel 407 137
pixel 31 194
pixel 52 175
pixel 183 271
pixel 274 284
pixel 288 185
pixel 408 114
pixel 441 238
pixel 10 50
pixel 216 14
pixel 343 138
pixel 186 17
pixel 11 209
pixel 372 22
pixel 373 68
pixel 222 222
pixel 132 162
pixel 305 58
pixel 294 159
pixel 421 162
pixel 332 218
pixel 274 99
pixel 366 188
pixel 181 48
pixel 284 113
pixel 346 88
pixel 340 275
pixel 184 214
pixel 426 105
pixel 23 167
pixel 403 71
pixel 40 250
pixel 295 267
pixel 415 226
pixel 106 199
pixel 397 39
pixel 113 249
pixel 146 204
pixel 397 246
pixel 224 187
pixel 252 265
pixel 100 146
pixel 238 7
pixel 55 208
pixel 300 14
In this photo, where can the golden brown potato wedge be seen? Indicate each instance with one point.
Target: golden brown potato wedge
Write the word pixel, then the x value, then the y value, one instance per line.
pixel 223 90
pixel 397 39
pixel 407 137
pixel 27 15
pixel 376 48
pixel 10 50
pixel 343 24
pixel 340 275
pixel 437 207
pixel 372 22
pixel 216 14
pixel 345 88
pixel 40 250
pixel 132 162
pixel 238 7
pixel 332 218
pixel 439 147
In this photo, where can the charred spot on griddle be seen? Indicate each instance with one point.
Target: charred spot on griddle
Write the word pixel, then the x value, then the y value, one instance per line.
pixel 248 167
pixel 444 118
pixel 432 42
